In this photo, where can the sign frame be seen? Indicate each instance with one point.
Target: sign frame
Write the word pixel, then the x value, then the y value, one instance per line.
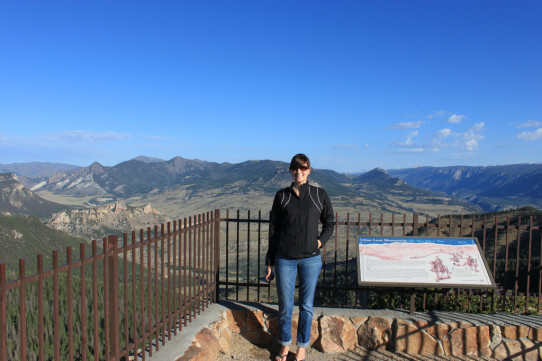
pixel 422 258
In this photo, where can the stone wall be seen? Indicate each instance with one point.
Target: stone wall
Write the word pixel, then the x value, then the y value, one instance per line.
pixel 340 334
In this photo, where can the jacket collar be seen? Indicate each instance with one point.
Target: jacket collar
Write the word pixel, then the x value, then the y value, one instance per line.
pixel 302 190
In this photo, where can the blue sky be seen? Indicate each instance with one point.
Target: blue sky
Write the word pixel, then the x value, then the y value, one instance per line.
pixel 353 84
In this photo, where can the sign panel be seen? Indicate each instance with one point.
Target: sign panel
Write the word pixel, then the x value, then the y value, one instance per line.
pixel 422 262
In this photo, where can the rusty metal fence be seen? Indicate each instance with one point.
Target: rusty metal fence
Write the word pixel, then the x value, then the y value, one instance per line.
pixel 512 248
pixel 121 303
pixel 129 298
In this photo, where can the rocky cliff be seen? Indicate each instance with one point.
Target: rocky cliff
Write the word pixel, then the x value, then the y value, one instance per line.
pixel 17 199
pixel 100 221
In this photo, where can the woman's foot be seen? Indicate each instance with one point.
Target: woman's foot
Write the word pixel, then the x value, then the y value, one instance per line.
pixel 300 354
pixel 283 354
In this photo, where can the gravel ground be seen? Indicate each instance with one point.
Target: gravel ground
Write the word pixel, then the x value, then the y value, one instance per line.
pixel 243 350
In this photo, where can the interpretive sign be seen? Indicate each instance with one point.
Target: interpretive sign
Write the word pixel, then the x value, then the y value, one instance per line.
pixel 422 262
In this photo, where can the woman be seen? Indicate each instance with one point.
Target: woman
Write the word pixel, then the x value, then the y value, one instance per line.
pixel 294 248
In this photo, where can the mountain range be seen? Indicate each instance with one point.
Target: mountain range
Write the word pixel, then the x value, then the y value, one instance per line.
pixel 182 186
pixel 491 188
pixel 190 185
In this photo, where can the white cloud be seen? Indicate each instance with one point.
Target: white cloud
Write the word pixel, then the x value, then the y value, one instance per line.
pixel 85 136
pixel 407 125
pixel 408 142
pixel 439 113
pixel 438 140
pixel 471 138
pixel 530 136
pixel 455 118
pixel 530 123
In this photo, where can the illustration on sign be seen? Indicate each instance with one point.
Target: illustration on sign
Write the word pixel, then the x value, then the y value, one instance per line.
pixel 437 262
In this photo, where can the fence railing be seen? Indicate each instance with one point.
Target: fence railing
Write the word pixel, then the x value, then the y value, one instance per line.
pixel 126 300
pixel 512 248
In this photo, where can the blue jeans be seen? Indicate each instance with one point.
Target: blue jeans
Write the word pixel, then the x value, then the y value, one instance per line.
pixel 286 271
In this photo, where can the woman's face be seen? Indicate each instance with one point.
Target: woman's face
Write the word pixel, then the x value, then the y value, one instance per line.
pixel 300 174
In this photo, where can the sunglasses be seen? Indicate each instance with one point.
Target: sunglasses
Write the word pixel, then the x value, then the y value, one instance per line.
pixel 304 168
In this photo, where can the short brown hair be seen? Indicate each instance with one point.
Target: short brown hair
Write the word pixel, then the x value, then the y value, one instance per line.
pixel 300 160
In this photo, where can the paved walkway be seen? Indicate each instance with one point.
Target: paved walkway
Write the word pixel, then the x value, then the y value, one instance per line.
pixel 176 347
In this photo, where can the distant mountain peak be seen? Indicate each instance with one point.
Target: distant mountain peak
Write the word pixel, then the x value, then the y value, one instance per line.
pixel 145 159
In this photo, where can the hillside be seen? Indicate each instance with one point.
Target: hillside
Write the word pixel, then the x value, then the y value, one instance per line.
pixel 492 188
pixel 16 198
pixel 26 237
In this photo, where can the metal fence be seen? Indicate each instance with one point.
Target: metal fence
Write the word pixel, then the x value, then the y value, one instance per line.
pixel 121 303
pixel 128 298
pixel 511 246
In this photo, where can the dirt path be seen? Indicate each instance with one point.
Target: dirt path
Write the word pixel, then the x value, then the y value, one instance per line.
pixel 243 350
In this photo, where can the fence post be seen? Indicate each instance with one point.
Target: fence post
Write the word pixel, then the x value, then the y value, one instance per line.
pixel 3 310
pixel 114 319
pixel 412 308
pixel 217 252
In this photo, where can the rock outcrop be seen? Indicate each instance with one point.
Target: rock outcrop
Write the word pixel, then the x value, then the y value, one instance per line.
pixel 99 221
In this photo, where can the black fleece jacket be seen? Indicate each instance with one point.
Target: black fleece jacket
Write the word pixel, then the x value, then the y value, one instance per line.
pixel 293 223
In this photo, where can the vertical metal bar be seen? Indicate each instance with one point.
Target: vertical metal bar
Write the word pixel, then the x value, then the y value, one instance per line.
pixel 113 280
pixel 190 268
pixel 168 288
pixel 516 285
pixel 216 225
pixel 149 291
pixel 227 251
pixel 199 275
pixel 357 250
pixel 105 247
pixel 185 261
pixel 248 256
pixel 180 267
pixel 346 257
pixel 404 224
pixel 142 293
pixel 3 311
pixel 83 310
pixel 161 317
pixel 495 245
pixel 237 259
pixel 174 283
pixel 259 254
pixel 415 234
pixel 538 304
pixel 134 300
pixel 392 224
pixel 427 234
pixel 125 296
pixel 335 258
pixel 22 310
pixel 505 284
pixel 180 315
pixel 527 290
pixel 70 302
pixel 56 322
pixel 207 249
pixel 157 322
pixel 41 327
pixel 95 300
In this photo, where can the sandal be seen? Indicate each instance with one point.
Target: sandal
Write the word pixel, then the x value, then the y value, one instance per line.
pixel 281 357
